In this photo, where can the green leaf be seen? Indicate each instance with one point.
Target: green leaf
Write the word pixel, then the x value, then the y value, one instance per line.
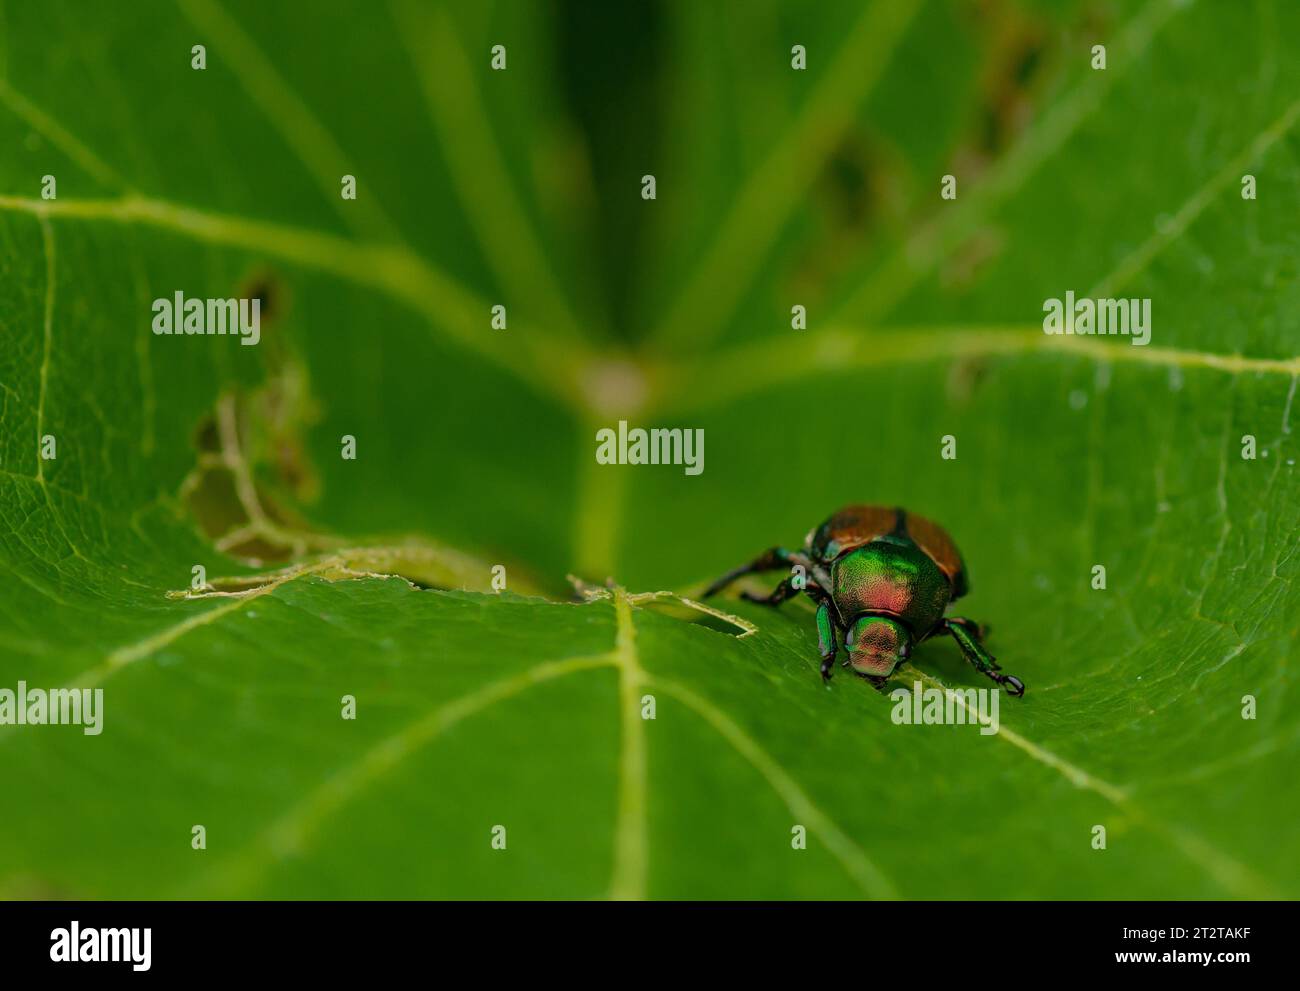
pixel 371 578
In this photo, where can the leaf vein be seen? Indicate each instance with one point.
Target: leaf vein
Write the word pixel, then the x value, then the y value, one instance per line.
pixel 628 882
pixel 855 862
pixel 290 833
pixel 1230 873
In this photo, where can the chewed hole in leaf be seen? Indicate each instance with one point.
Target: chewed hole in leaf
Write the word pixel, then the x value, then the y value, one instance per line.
pixel 206 438
pixel 849 184
pixel 252 470
pixel 209 494
pixel 270 292
pixel 1014 67
pixel 965 376
pixel 691 611
pixel 422 564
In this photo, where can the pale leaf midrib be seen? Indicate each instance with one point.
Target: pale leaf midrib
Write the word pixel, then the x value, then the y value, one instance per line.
pixel 631 838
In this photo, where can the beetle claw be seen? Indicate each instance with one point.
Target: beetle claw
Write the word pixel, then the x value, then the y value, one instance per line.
pixel 1014 685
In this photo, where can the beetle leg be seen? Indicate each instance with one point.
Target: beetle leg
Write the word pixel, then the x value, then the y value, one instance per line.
pixel 820 575
pixel 830 631
pixel 978 656
pixel 979 631
pixel 785 590
pixel 827 642
pixel 773 559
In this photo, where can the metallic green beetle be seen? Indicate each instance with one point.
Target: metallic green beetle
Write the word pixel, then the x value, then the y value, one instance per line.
pixel 881 579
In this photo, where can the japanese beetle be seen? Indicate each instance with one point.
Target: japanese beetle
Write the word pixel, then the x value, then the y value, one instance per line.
pixel 881 579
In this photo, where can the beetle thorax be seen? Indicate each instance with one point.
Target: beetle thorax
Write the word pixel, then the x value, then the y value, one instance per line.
pixel 890 578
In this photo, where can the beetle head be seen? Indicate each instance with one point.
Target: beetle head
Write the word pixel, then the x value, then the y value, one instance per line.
pixel 877 645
